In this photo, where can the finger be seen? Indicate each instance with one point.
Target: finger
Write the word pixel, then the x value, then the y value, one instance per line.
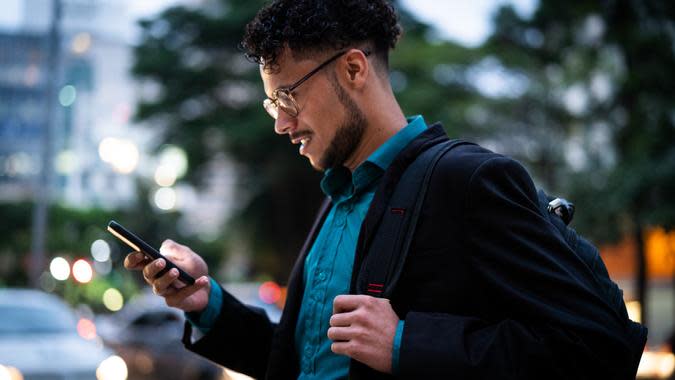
pixel 168 244
pixel 340 334
pixel 166 292
pixel 150 271
pixel 342 319
pixel 163 284
pixel 180 295
pixel 135 261
pixel 348 302
pixel 342 348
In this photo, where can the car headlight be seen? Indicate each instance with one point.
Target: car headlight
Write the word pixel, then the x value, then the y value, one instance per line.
pixel 112 368
pixel 10 373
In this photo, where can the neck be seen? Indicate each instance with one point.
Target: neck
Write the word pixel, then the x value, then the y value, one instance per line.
pixel 384 119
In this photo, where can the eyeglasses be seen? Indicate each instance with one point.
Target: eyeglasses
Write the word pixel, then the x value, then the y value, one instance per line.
pixel 282 98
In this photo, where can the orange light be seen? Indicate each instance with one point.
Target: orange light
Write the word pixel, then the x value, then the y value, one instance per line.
pixel 86 329
pixel 269 292
pixel 82 271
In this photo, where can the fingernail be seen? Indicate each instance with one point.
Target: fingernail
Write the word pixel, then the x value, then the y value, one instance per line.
pixel 160 263
pixel 174 272
pixel 139 256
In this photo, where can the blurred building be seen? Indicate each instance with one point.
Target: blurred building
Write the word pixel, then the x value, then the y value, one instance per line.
pixel 98 152
pixel 22 101
pixel 95 100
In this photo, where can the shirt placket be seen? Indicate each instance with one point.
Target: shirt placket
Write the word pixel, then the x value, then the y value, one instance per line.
pixel 320 284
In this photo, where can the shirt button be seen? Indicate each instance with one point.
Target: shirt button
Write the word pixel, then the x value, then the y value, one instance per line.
pixel 322 276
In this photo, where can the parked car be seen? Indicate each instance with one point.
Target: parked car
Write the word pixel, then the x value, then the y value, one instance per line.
pixel 147 335
pixel 39 340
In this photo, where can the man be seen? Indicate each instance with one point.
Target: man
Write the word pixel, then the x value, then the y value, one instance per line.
pixel 489 289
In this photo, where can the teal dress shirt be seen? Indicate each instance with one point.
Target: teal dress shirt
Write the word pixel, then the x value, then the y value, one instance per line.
pixel 328 266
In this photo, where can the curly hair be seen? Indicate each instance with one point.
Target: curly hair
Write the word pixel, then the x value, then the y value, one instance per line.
pixel 311 26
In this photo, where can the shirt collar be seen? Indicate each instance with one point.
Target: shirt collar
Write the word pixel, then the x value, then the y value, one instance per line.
pixel 339 182
pixel 385 154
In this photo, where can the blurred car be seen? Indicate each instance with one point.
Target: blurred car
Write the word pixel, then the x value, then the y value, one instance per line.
pixel 147 335
pixel 39 340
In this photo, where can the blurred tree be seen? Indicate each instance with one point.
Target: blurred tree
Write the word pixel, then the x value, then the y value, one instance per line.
pixel 208 100
pixel 596 119
pixel 639 188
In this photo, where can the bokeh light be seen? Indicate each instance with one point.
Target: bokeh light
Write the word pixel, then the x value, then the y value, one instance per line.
pixel 82 271
pixel 165 175
pixel 656 365
pixel 113 299
pixel 121 154
pixel 86 329
pixel 81 43
pixel 66 162
pixel 175 158
pixel 10 373
pixel 113 368
pixel 103 268
pixel 100 250
pixel 634 309
pixel 59 268
pixel 165 198
pixel 47 282
pixel 269 292
pixel 67 95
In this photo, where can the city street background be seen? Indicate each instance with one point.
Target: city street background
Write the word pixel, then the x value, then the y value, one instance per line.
pixel 147 112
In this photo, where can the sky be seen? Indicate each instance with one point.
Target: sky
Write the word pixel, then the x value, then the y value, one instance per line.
pixel 465 22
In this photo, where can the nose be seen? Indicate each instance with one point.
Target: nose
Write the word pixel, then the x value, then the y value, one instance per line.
pixel 285 123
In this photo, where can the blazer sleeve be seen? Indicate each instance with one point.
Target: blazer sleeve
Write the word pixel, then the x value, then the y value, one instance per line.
pixel 240 339
pixel 541 316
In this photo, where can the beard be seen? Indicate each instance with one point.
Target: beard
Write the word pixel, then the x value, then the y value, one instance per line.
pixel 349 133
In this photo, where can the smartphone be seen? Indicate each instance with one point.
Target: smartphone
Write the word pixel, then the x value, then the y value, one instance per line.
pixel 139 245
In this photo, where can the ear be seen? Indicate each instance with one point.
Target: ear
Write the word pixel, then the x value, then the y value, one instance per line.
pixel 355 68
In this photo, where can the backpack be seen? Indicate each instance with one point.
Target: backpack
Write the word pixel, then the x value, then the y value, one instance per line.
pixel 382 266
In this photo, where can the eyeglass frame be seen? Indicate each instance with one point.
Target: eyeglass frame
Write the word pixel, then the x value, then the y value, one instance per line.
pixel 274 101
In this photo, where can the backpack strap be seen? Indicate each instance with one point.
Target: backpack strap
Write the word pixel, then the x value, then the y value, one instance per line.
pixel 383 264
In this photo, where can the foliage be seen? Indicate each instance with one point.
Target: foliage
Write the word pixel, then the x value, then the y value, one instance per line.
pixel 596 120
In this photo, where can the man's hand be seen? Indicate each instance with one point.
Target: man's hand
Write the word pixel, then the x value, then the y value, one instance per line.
pixel 363 328
pixel 187 298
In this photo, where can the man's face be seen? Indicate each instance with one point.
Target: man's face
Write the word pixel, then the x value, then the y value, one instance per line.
pixel 330 125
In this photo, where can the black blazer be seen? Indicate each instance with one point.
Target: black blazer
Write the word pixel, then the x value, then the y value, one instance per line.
pixel 489 290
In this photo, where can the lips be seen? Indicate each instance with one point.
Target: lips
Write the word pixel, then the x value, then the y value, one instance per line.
pixel 303 139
